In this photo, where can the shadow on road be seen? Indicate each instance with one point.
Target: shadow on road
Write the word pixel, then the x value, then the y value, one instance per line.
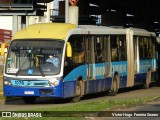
pixel 46 100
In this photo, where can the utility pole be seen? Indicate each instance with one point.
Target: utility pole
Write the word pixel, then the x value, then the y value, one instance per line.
pixel 66 11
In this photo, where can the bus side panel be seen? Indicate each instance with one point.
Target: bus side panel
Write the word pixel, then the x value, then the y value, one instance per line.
pixel 69 89
pixel 90 86
pixel 76 73
pixel 123 81
pixel 99 85
pixel 154 76
pixel 102 83
pixel 143 78
pixel 121 68
pixel 138 79
pixel 145 65
pixel 108 83
pixel 154 73
pixel 69 82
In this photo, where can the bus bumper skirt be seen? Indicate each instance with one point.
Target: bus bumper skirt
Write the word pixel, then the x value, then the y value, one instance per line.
pixel 37 92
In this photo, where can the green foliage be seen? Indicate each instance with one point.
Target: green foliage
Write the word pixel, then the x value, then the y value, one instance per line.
pixel 77 110
pixel 97 105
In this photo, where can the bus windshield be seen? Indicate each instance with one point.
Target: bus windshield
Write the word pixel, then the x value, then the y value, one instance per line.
pixel 34 57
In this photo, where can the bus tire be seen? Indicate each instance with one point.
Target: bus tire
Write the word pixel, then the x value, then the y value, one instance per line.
pixel 148 80
pixel 78 90
pixel 29 100
pixel 114 87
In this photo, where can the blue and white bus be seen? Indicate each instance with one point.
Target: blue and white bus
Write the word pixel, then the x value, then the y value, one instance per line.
pixel 91 59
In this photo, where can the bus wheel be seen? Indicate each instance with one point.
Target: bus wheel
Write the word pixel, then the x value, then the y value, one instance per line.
pixel 29 100
pixel 148 80
pixel 114 87
pixel 77 92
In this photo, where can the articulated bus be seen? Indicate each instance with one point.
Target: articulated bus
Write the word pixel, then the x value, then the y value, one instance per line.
pixel 91 59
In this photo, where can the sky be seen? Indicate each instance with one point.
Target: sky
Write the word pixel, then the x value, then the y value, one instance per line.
pixel 6 22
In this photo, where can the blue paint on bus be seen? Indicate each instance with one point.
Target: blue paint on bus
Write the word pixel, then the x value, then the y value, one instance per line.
pixel 56 91
pixel 75 73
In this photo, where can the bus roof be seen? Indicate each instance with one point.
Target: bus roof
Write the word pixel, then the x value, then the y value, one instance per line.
pixel 141 32
pixel 45 30
pixel 64 30
pixel 101 29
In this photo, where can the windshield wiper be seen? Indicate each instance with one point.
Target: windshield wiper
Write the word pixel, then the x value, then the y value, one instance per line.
pixel 41 71
pixel 17 72
pixel 21 67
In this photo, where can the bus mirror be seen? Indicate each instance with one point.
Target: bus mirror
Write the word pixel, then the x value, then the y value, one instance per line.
pixel 3 49
pixel 69 50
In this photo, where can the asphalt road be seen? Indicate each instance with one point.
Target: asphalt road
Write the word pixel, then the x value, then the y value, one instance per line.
pixel 18 104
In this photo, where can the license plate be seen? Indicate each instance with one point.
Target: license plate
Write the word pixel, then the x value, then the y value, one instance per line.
pixel 29 92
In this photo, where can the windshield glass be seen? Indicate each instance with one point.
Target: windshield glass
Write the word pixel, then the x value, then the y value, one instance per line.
pixel 34 57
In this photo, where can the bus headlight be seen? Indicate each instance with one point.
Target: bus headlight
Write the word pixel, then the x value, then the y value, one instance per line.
pixel 54 83
pixel 7 83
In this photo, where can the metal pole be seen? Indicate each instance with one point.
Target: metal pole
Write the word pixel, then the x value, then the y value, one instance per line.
pixel 66 11
pixel 15 24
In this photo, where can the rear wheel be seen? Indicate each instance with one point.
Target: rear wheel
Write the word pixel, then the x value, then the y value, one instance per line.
pixel 114 87
pixel 77 93
pixel 29 100
pixel 148 80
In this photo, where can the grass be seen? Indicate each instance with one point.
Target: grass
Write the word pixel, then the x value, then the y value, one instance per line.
pixel 86 108
pixel 97 105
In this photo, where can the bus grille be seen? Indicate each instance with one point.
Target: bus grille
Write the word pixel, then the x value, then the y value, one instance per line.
pixel 30 83
pixel 46 91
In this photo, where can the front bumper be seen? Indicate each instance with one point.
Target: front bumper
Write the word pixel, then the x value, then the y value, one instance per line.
pixel 33 91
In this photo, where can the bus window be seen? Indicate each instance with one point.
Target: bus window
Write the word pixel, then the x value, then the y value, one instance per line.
pixel 141 48
pixel 118 48
pixel 91 53
pixel 107 49
pixel 122 48
pixel 114 48
pixel 150 47
pixel 78 49
pixel 136 54
pixel 145 48
pixel 98 49
pixel 145 45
